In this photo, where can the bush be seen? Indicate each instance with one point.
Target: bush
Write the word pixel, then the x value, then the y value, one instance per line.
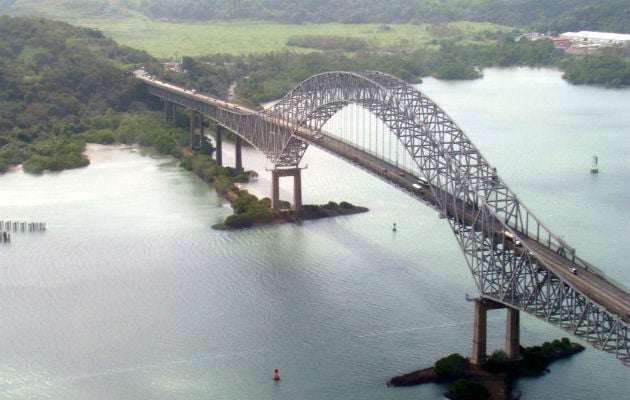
pixel 331 205
pixel 346 205
pixel 55 155
pixel 566 343
pixel 499 362
pixel 244 202
pixel 465 389
pixel 35 164
pixel 186 162
pixel 102 136
pixel 222 183
pixel 451 367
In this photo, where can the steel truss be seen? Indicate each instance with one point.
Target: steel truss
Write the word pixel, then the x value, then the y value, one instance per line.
pixel 482 210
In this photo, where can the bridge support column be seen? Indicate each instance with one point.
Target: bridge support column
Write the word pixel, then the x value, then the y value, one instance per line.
pixel 201 127
pixel 275 190
pixel 278 173
pixel 512 333
pixel 478 355
pixel 196 138
pixel 192 122
pixel 238 154
pixel 219 145
pixel 297 190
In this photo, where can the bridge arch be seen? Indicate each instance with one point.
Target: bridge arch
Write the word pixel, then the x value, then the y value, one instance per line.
pixel 514 258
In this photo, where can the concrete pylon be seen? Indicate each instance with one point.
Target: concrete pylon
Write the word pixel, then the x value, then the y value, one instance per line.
pixel 219 145
pixel 478 355
pixel 480 330
pixel 238 156
pixel 201 128
pixel 512 333
pixel 192 117
pixel 278 173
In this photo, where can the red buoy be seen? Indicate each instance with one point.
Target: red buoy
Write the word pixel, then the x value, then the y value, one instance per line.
pixel 276 375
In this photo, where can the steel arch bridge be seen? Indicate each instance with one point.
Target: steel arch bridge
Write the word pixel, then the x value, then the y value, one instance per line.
pixel 486 217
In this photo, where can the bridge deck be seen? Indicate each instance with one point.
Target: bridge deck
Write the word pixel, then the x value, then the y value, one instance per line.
pixel 590 283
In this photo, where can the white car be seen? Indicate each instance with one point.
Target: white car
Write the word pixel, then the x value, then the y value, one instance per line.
pixel 509 236
pixel 573 270
pixel 317 136
pixel 416 186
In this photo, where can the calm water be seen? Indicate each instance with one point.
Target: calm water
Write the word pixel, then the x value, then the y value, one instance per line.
pixel 131 294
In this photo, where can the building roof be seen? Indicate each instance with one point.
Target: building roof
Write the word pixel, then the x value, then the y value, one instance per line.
pixel 597 35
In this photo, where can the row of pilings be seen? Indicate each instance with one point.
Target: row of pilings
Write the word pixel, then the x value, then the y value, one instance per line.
pixel 9 226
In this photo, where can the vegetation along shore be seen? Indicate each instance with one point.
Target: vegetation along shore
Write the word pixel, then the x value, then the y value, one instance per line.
pixel 492 380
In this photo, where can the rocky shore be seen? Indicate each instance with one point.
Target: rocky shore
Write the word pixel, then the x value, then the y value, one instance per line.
pixel 493 380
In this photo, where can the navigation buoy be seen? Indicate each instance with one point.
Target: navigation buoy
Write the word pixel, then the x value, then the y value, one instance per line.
pixel 276 375
pixel 595 167
pixel 394 229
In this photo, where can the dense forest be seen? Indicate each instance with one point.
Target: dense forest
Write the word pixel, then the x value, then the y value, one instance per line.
pixel 54 80
pixel 264 77
pixel 558 15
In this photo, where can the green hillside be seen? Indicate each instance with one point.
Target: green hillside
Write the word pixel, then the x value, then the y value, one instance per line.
pixel 54 79
pixel 607 15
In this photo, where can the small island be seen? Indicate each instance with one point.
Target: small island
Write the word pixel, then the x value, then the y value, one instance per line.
pixel 249 210
pixel 492 380
pixel 265 215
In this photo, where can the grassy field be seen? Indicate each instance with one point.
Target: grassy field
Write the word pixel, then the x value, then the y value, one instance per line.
pixel 165 39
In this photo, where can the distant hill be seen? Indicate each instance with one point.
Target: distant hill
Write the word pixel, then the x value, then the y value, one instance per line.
pixel 559 15
pixel 67 9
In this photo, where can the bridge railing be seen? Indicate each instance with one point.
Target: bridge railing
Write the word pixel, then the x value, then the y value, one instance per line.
pixel 532 228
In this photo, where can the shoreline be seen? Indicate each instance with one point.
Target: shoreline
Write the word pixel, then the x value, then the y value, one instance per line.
pixel 229 184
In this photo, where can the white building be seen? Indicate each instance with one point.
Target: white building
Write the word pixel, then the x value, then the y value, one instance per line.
pixel 533 36
pixel 603 39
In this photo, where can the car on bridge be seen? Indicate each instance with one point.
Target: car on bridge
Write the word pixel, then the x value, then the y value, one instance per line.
pixel 512 238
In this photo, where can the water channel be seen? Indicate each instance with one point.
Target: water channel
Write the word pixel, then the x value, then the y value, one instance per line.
pixel 131 295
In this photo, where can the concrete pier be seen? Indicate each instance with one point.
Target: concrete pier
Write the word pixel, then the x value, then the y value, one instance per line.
pixel 512 333
pixel 192 119
pixel 278 173
pixel 478 355
pixel 480 330
pixel 238 156
pixel 219 145
pixel 196 130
